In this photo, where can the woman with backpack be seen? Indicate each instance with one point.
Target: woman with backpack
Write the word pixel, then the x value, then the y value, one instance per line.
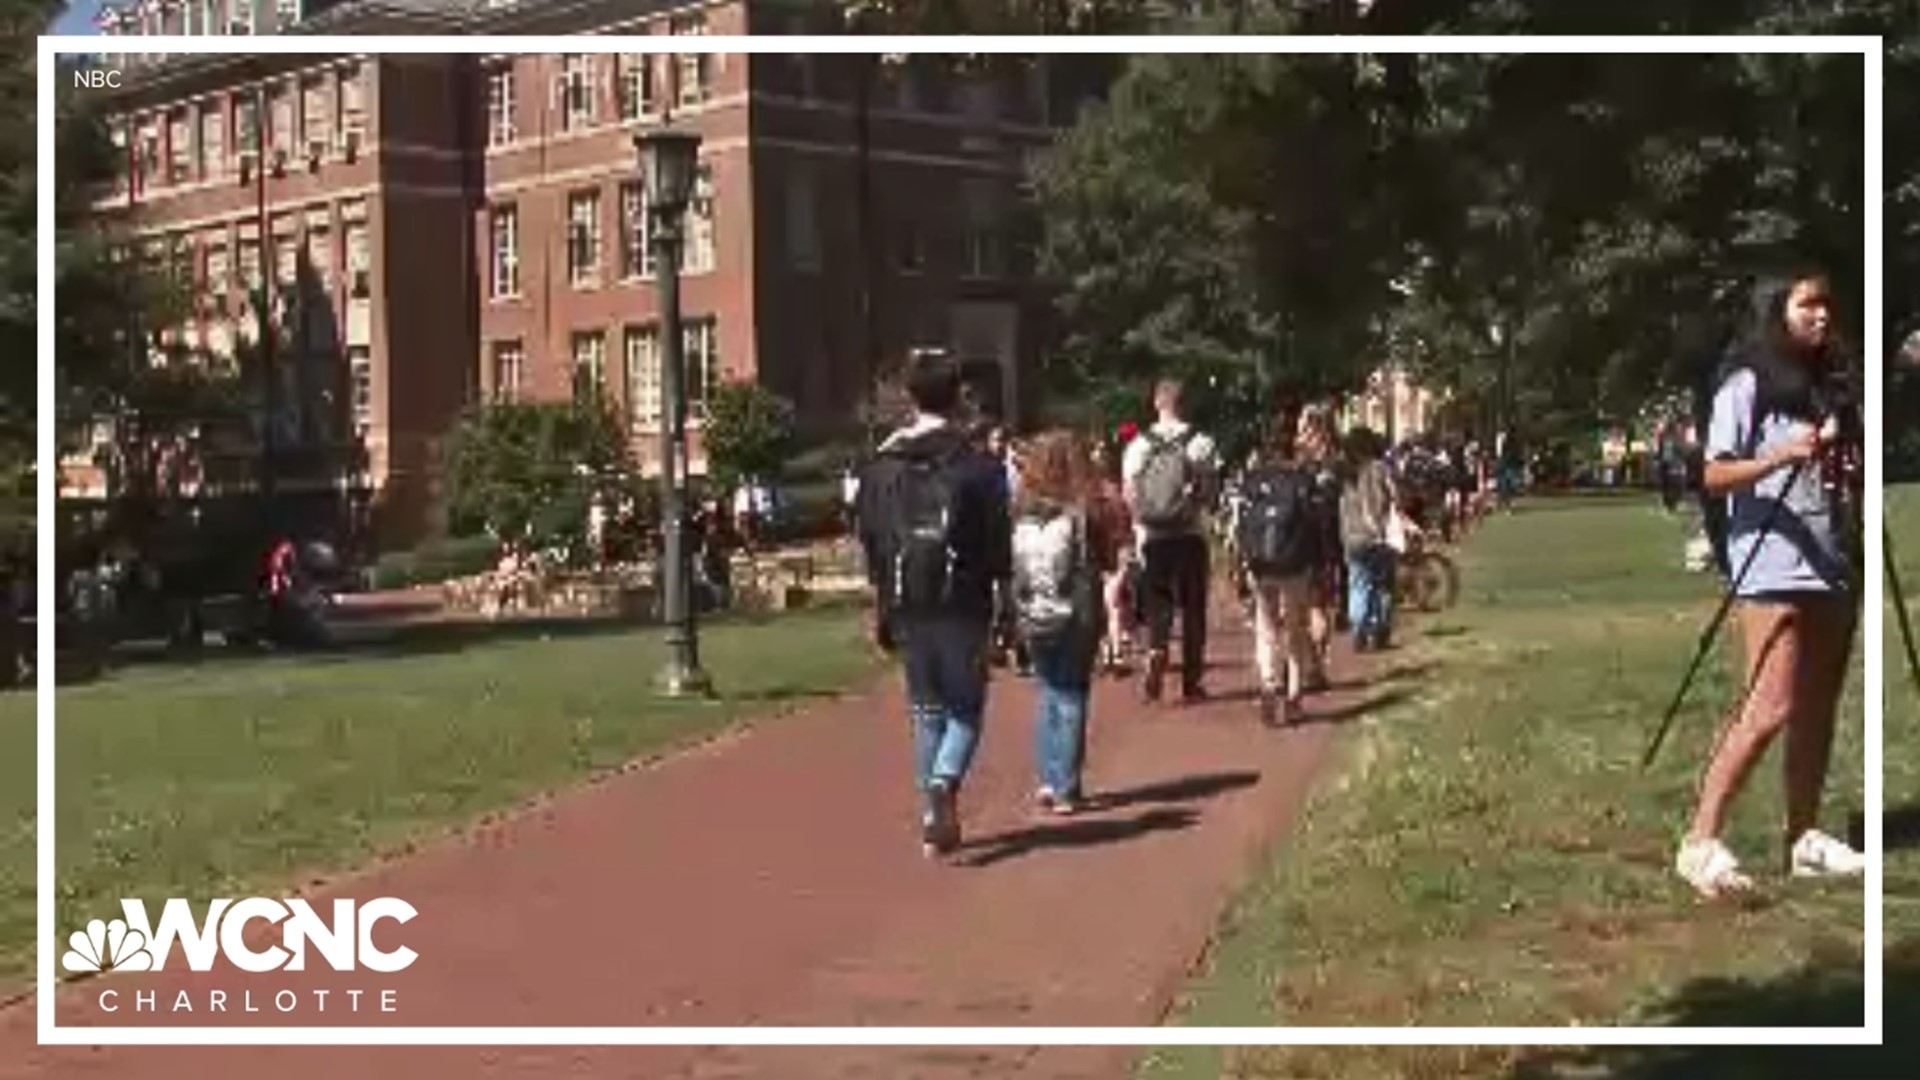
pixel 1318 449
pixel 1062 551
pixel 1278 534
pixel 1770 442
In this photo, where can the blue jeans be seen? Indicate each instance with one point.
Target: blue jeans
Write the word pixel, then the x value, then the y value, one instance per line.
pixel 1065 674
pixel 1370 593
pixel 946 669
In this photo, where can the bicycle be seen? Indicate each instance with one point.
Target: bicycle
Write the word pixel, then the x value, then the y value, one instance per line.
pixel 1424 578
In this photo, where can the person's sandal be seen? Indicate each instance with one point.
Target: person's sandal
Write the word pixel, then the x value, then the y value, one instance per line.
pixel 1711 869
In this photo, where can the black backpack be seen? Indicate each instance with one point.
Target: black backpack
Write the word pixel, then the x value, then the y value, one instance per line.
pixel 915 500
pixel 1713 508
pixel 1276 529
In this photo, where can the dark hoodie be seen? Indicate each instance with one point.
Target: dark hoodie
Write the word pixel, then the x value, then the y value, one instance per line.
pixel 981 534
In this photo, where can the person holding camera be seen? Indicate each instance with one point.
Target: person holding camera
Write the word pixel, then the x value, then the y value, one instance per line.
pixel 1770 432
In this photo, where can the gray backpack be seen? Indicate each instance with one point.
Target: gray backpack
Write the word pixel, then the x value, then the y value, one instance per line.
pixel 1164 492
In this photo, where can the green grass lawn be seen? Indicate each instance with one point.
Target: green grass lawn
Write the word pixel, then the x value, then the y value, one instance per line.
pixel 1491 852
pixel 244 776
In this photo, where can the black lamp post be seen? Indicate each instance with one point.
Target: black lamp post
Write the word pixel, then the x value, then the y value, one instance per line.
pixel 668 160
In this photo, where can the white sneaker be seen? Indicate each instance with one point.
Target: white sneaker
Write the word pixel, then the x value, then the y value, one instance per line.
pixel 1816 854
pixel 1711 869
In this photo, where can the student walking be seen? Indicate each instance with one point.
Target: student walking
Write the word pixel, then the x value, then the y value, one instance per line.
pixel 1797 599
pixel 1121 561
pixel 1061 553
pixel 1278 536
pixel 1367 506
pixel 1318 450
pixel 934 527
pixel 1169 473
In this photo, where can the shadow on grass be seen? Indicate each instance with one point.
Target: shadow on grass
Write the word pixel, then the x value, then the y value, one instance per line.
pixel 1075 834
pixel 1354 710
pixel 357 640
pixel 1822 994
pixel 1184 789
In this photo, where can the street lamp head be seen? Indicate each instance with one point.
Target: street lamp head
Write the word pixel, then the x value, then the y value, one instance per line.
pixel 668 160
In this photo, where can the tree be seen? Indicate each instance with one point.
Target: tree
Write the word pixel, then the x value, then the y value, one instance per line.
pixel 749 432
pixel 527 474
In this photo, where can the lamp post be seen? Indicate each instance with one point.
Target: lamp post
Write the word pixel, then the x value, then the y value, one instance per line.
pixel 668 159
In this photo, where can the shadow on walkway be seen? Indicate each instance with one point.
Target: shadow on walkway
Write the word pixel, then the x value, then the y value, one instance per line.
pixel 1075 834
pixel 1185 789
pixel 1822 994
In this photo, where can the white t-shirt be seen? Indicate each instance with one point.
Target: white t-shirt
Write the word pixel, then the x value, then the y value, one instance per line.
pixel 1200 451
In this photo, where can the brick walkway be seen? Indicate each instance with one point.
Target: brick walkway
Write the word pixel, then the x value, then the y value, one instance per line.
pixel 774 877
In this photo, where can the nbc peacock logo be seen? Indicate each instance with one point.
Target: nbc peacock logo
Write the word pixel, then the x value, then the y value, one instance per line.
pixel 107 946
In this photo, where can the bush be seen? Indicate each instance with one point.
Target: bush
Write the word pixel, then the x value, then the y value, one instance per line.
pixel 435 561
pixel 528 472
pixel 749 432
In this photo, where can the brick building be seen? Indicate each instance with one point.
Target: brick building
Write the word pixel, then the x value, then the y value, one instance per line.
pixel 465 228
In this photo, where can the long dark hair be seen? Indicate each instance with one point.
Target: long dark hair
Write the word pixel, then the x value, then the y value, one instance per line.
pixel 1790 381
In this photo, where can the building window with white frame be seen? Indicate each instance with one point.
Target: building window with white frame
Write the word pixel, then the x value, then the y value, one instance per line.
pixel 509 370
pixel 360 371
pixel 636 232
pixel 695 69
pixel 316 117
pixel 985 254
pixel 353 105
pixel 700 352
pixel 179 147
pixel 505 255
pixel 583 238
pixel 642 345
pixel 213 141
pixel 246 125
pixel 502 128
pixel 697 253
pixel 576 91
pixel 639 96
pixel 219 275
pixel 359 261
pixel 320 255
pixel 280 117
pixel 589 365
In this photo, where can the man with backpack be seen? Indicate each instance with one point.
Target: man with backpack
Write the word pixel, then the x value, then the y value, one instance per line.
pixel 1278 534
pixel 934 526
pixel 1169 474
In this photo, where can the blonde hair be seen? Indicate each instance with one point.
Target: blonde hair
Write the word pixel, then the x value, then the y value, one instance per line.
pixel 1056 468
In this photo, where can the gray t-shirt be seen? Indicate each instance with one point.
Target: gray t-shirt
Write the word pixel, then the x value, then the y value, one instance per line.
pixel 1801 552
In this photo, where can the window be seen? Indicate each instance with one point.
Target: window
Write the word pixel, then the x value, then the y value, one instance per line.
pixel 320 255
pixel 583 238
pixel 698 255
pixel 985 255
pixel 286 260
pixel 179 147
pixel 316 117
pixel 500 122
pixel 247 257
pixel 695 69
pixel 353 102
pixel 700 352
pixel 803 225
pixel 638 95
pixel 147 154
pixel 509 368
pixel 246 126
pixel 359 261
pixel 506 251
pixel 360 371
pixel 123 169
pixel 589 364
pixel 700 345
pixel 180 261
pixel 287 12
pixel 280 121
pixel 219 276
pixel 213 142
pixel 636 232
pixel 576 91
pixel 643 379
pixel 910 247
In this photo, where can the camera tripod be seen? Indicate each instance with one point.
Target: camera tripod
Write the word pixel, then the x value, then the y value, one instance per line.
pixel 1900 607
pixel 1720 616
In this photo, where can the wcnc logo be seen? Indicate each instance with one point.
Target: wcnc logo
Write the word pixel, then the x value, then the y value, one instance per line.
pixel 136 944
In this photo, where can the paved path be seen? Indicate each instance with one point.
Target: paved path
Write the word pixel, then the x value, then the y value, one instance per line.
pixel 775 877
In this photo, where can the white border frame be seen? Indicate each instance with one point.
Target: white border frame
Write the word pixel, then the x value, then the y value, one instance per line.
pixel 1868 48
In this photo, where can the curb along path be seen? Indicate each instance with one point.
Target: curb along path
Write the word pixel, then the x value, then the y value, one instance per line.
pixel 776 879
